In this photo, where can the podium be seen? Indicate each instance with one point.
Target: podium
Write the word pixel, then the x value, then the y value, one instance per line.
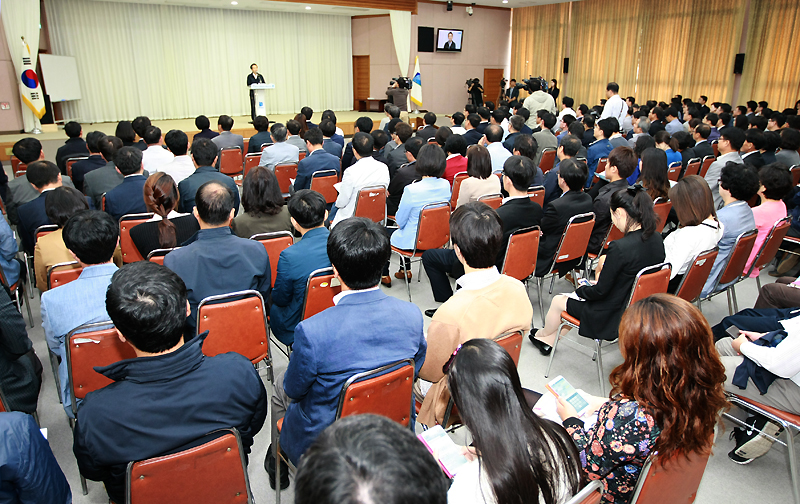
pixel 259 90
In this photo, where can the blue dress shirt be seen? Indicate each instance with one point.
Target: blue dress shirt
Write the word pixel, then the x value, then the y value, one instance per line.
pixel 415 196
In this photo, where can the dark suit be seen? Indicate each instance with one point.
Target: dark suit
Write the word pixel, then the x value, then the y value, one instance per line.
pixel 449 46
pixel 188 187
pixel 754 159
pixel 295 265
pixel 100 181
pixel 74 147
pixel 260 138
pixel 218 262
pixel 602 214
pixel 251 79
pixel 427 132
pixel 686 155
pixel 526 130
pixel 396 158
pixel 332 147
pixel 472 136
pixel 31 216
pixel 316 161
pixel 348 158
pixel 512 93
pixel 768 157
pixel 127 198
pixel 482 127
pixel 554 221
pixel 21 375
pixel 206 133
pixel 339 139
pixel 508 143
pixel 655 127
pixel 404 176
pixel 605 301
pixel 81 168
pixel 704 110
pixel 703 149
pixel 20 191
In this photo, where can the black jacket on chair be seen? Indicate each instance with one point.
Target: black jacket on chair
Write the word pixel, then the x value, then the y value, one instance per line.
pixel 554 222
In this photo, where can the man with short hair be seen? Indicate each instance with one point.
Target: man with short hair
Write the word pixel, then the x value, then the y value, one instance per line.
pixel 73 147
pixel 307 211
pixel 457 123
pixel 369 458
pixel 515 124
pixel 181 165
pixel 95 160
pixel 308 113
pixel 616 139
pixel 429 131
pixel 621 164
pixel 338 135
pixel 331 147
pixel 657 117
pixel 703 107
pixel 712 120
pixel 226 138
pixel 91 237
pixel 538 100
pixel 363 125
pixel 128 197
pixel 294 127
pixel 472 135
pixel 762 106
pixel 204 154
pixel 404 176
pixel 702 147
pixel 569 148
pixel 331 346
pixel 484 113
pixel 366 172
pixel 100 181
pixel 615 106
pixel 155 156
pixel 217 261
pixel 730 141
pixel 202 123
pixel 601 147
pixel 492 140
pixel 526 146
pixel 140 125
pixel 751 108
pixel 673 123
pixel 544 138
pixel 44 176
pixel 641 127
pixel 280 152
pixel 260 124
pixel 751 148
pixel 487 305
pixel 317 160
pixel 397 157
pixel 776 121
pixel 170 395
pixel 566 109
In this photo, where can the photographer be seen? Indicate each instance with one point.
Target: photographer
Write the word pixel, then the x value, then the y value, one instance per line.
pixel 475 91
pixel 398 95
pixel 538 100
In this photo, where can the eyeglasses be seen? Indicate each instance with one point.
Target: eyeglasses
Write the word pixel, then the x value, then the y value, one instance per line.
pixel 446 367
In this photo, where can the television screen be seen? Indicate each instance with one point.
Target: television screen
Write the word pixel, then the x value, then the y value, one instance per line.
pixel 449 40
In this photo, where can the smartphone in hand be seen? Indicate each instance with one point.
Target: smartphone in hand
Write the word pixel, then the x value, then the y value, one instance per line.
pixel 560 387
pixel 733 331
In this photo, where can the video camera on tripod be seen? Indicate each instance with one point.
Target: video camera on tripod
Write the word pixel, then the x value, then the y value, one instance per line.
pixel 402 82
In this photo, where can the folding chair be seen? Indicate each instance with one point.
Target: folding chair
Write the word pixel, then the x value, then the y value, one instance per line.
pixel 592 493
pixel 15 162
pixel 433 231
pixel 548 159
pixel 536 194
pixel 769 248
pixel 692 167
pixel 601 168
pixel 571 247
pixel 103 202
pixel 285 172
pixel 21 170
pixel 18 291
pixel 675 482
pixel 706 164
pixel 674 171
pixel 250 162
pixel 215 471
pixel 460 177
pixel 245 142
pixel 275 243
pixel 795 170
pixel 236 322
pixel 321 287
pixel 157 255
pixel 90 345
pixel 697 275
pixel 371 204
pixel 230 161
pixel 386 391
pixel 649 280
pixel 129 251
pixel 613 234
pixel 63 273
pixel 265 145
pixel 301 156
pixel 322 181
pixel 733 269
pixel 521 253
pixel 662 208
pixel 40 231
pixel 715 147
pixel 493 200
pixel 72 161
pixel 788 421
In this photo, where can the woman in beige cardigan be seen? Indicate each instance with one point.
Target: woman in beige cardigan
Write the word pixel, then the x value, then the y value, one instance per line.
pixel 481 181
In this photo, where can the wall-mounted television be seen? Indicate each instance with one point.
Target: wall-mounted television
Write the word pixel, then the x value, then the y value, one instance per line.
pixel 449 40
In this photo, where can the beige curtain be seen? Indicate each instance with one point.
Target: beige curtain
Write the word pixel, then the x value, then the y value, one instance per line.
pixel 538 41
pixel 772 62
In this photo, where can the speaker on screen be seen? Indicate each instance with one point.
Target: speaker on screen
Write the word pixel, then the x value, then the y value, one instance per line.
pixel 738 64
pixel 566 65
pixel 425 39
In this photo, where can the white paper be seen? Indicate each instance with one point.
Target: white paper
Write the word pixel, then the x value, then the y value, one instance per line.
pixel 546 407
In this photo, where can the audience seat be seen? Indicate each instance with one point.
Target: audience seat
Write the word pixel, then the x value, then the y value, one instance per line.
pixel 250 162
pixel 715 147
pixel 613 234
pixel 706 165
pixel 62 273
pixel 592 493
pixel 548 159
pixel 40 231
pixel 662 207
pixel 321 288
pixel 769 248
pixel 460 177
pixel 275 243
pixel 230 161
pixel 675 481
pixel 493 200
pixel 733 269
pixel 322 181
pixel 696 276
pixel 521 253
pixel 18 291
pixel 601 168
pixel 371 204
pixel 129 251
pixel 795 169
pixel 693 167
pixel 536 194
pixel 285 172
pixel 215 471
pixel 157 255
pixel 674 171
pixel 650 280
pixel 72 161
pixel 20 170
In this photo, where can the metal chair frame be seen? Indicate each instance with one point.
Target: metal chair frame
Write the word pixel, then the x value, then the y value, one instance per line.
pixel 730 290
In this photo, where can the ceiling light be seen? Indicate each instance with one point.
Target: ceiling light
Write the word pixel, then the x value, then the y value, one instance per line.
pixel 234 2
pixel 505 1
pixel 308 7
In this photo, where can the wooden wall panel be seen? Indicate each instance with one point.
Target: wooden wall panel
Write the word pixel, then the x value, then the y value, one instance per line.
pixel 400 5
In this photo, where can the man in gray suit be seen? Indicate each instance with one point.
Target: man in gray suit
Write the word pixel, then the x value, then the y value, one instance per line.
pixel 281 152
pixel 294 135
pixel 100 181
pixel 20 190
pixel 226 138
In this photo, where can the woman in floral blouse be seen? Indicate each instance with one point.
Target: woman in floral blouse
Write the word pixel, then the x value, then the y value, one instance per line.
pixel 666 396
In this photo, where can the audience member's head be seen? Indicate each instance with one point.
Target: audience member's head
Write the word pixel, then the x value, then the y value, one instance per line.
pixel 484 113
pixel 147 303
pixel 519 171
pixel 93 141
pixel 526 145
pixel 296 127
pixel 43 174
pixel 152 135
pixel 776 181
pixel 128 161
pixel 363 144
pixel 479 162
pixel 261 124
pixel 307 209
pixel 574 174
pixel 429 118
pixel 225 122
pixel 753 140
pixel 477 234
pixel 776 121
pixel 607 127
pixel 314 137
pixel 140 125
pixel 363 459
pixel 493 133
pixel 27 150
pixel 413 145
pixel 772 141
pixel 692 200
pixel 73 129
pixel 261 193
pixel 364 124
pixel 739 180
pixel 62 203
pixel 458 118
pixel 473 121
pixel 431 161
pixel 642 143
pixel 161 197
pixel 92 236
pixel 204 152
pixel 278 132
pixel 125 132
pixel 213 205
pixel 328 128
pixel 403 131
pixel 456 144
pixel 307 112
pixel 632 207
pixel 653 175
pixel 202 123
pixel 730 140
pixel 329 115
pixel 515 123
pixel 790 139
pixel 177 142
pixel 358 249
pixel 624 160
pixel 684 140
pixel 442 134
pixel 109 145
pixel 570 146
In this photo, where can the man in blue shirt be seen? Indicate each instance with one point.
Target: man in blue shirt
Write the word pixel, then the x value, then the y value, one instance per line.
pixel 204 155
pixel 318 159
pixel 601 147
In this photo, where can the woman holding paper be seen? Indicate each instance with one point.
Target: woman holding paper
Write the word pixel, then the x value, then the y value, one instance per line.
pixel 666 396
pixel 521 458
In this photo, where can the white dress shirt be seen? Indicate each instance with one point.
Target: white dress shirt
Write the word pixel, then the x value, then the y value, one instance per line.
pixel 179 168
pixel 364 173
pixel 279 153
pixel 616 108
pixel 458 130
pixel 154 157
pixel 683 245
pixel 499 154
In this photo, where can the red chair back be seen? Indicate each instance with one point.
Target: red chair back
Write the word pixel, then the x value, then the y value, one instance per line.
pixel 592 493
pixel 734 268
pixel 320 290
pixel 322 181
pixel 129 251
pixel 771 244
pixel 284 173
pixel 521 253
pixel 460 177
pixel 575 238
pixel 715 147
pixel 93 345
pixel 20 170
pixel 696 276
pixel 536 194
pixel 493 200
pixel 215 471
pixel 14 163
pixel 157 255
pixel 674 171
pixel 601 165
pixel 433 230
pixel 2 207
pixel 235 322
pixel 44 231
pixel 62 273
pixel 650 280
pixel 275 243
pixel 301 156
pixel 693 167
pixel 662 208
pixel 246 145
pixel 674 482
pixel 512 343
pixel 795 174
pixel 371 204
pixel 72 161
pixel 548 159
pixel 706 164
pixel 382 391
pixel 230 161
pixel 250 162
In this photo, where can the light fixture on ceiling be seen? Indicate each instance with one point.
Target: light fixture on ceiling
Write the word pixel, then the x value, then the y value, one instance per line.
pixel 308 7
pixel 234 2
pixel 505 1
